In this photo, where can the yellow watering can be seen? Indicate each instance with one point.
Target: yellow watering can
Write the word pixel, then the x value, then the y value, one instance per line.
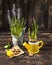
pixel 33 47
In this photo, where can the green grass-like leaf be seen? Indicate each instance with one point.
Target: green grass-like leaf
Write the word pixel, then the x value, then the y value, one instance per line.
pixel 16 26
pixel 34 31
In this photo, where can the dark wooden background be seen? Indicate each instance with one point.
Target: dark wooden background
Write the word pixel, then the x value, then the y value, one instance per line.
pixel 41 10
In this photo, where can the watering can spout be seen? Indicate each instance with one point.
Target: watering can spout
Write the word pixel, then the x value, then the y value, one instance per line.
pixel 26 45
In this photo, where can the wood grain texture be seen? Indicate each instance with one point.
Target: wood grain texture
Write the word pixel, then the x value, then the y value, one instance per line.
pixel 44 57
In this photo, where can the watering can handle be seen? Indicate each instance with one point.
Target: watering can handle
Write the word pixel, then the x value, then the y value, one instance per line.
pixel 41 42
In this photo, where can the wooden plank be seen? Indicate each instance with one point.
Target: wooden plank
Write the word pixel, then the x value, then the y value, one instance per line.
pixel 5 39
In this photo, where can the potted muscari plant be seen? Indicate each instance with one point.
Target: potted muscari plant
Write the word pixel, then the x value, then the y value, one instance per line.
pixel 33 34
pixel 33 45
pixel 16 28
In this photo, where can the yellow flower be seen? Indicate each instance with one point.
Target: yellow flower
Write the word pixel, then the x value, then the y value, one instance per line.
pixel 9 53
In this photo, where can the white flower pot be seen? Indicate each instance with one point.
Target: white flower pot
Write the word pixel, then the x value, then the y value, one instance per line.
pixel 14 40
